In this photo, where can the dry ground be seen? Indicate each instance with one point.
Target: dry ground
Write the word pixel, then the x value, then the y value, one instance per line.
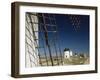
pixel 74 60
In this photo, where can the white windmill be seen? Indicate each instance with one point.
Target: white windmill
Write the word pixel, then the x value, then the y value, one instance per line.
pixel 67 53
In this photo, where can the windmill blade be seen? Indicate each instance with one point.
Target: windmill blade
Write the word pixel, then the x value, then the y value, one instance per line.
pixel 75 21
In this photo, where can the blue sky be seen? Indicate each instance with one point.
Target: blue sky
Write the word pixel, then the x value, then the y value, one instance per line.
pixel 76 40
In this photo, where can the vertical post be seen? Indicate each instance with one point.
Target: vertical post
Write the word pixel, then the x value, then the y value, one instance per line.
pixel 54 38
pixel 41 37
pixel 58 42
pixel 46 40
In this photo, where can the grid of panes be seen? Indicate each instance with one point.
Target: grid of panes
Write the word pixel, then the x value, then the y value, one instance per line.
pixel 48 40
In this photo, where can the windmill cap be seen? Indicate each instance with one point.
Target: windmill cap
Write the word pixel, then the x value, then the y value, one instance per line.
pixel 66 49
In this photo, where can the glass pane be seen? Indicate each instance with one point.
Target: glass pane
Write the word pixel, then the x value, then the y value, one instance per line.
pixel 47 21
pixel 51 28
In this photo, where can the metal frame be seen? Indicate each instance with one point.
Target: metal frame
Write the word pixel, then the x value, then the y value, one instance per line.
pixel 15 39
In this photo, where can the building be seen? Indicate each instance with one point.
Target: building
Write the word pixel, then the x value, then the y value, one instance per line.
pixel 67 53
pixel 31 40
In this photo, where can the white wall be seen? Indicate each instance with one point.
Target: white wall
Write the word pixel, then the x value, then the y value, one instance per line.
pixel 67 54
pixel 5 40
pixel 31 53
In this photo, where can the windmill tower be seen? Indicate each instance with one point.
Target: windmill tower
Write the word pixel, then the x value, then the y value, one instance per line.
pixel 67 53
